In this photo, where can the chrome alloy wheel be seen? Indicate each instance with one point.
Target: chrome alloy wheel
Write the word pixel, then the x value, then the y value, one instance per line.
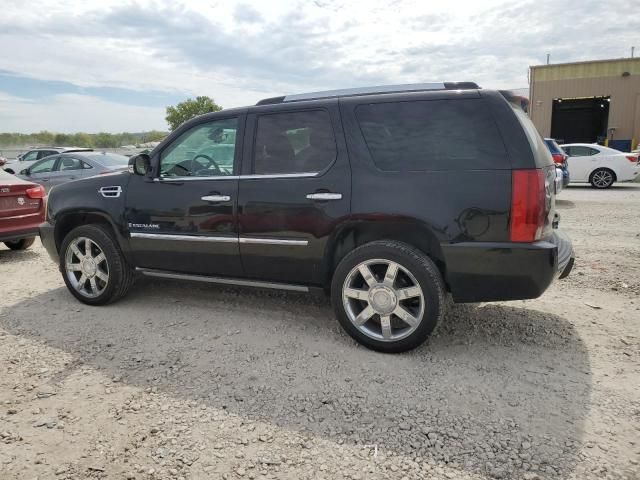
pixel 86 267
pixel 602 178
pixel 383 300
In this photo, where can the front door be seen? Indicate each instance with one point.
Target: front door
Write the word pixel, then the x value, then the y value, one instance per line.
pixel 294 190
pixel 184 220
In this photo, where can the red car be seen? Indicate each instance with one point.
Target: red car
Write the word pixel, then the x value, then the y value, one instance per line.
pixel 22 210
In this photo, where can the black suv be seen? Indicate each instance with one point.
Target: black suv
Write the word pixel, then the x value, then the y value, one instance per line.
pixel 389 198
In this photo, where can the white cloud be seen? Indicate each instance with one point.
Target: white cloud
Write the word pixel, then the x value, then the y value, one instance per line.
pixel 77 113
pixel 239 52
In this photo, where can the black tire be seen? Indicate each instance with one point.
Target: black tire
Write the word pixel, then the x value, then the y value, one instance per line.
pixel 21 244
pixel 414 261
pixel 597 176
pixel 120 274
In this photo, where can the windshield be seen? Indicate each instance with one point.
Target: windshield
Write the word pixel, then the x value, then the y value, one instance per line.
pixel 109 159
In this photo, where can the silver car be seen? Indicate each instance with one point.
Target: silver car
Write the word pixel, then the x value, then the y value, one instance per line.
pixel 28 158
pixel 64 167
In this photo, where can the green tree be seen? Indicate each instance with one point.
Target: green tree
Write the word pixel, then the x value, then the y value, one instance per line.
pixel 188 109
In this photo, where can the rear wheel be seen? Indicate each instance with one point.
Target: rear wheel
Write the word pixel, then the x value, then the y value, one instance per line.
pixel 21 244
pixel 602 178
pixel 93 268
pixel 388 296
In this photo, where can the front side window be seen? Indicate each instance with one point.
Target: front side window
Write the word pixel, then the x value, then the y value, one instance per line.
pixel 44 166
pixel 294 142
pixel 206 150
pixel 432 135
pixel 45 153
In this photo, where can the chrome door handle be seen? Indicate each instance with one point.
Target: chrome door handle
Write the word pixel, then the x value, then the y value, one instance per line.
pixel 324 196
pixel 216 198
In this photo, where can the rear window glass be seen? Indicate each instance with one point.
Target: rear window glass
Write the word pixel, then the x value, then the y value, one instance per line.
pixel 432 135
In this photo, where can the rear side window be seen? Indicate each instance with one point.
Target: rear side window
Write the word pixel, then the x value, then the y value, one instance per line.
pixel 432 135
pixel 294 142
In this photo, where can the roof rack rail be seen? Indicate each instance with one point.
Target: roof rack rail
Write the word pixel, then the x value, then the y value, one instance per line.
pixel 351 92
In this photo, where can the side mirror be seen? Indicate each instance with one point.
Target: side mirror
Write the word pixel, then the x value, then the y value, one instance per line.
pixel 140 164
pixel 26 172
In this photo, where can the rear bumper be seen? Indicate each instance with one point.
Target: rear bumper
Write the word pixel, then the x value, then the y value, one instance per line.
pixel 12 236
pixel 48 240
pixel 483 272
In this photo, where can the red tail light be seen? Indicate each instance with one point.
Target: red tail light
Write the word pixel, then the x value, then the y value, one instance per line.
pixel 527 205
pixel 558 157
pixel 36 192
pixel 632 159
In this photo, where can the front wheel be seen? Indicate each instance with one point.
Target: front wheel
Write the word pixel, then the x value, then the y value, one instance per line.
pixel 21 244
pixel 602 178
pixel 388 296
pixel 93 268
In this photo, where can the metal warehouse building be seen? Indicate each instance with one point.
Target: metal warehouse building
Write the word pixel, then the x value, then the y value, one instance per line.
pixel 587 101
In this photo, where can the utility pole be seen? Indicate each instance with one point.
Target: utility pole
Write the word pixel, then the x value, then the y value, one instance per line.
pixel 632 50
pixel 549 55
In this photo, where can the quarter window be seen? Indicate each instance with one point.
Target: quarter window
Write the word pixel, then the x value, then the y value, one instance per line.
pixel 432 135
pixel 206 150
pixel 294 142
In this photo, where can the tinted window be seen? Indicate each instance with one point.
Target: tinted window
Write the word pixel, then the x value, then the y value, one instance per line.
pixel 45 153
pixel 70 163
pixel 44 166
pixel 294 142
pixel 432 135
pixel 208 149
pixel 577 151
pixel 553 146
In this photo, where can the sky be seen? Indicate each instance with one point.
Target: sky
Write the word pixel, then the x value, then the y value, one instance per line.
pixel 106 65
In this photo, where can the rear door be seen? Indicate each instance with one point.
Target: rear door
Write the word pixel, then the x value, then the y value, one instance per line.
pixel 582 161
pixel 66 169
pixel 294 189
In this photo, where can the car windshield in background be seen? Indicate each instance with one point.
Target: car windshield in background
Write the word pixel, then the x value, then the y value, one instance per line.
pixel 109 159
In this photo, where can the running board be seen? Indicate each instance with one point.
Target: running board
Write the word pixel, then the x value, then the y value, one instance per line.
pixel 224 281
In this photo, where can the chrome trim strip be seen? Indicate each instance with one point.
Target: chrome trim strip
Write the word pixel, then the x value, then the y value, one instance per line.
pixel 112 191
pixel 272 241
pixel 236 177
pixel 225 281
pixel 324 196
pixel 280 175
pixel 216 198
pixel 187 238
pixel 193 179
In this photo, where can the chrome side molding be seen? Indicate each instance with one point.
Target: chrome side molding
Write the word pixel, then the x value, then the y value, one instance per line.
pixel 149 272
pixel 202 238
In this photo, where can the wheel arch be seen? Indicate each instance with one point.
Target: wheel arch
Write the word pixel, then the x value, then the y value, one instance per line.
pixel 67 221
pixel 354 234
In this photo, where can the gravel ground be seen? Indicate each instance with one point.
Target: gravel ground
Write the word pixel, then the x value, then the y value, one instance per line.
pixel 182 380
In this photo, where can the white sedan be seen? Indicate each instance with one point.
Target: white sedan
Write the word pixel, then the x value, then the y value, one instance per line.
pixel 600 166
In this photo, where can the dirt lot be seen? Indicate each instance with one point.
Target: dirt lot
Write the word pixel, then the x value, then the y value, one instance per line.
pixel 184 380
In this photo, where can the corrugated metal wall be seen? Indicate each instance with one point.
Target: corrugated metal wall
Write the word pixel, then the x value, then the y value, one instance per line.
pixel 589 79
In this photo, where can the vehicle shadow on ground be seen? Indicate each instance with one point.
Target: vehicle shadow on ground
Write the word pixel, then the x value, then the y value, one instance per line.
pixel 616 187
pixel 282 358
pixel 15 256
pixel 561 203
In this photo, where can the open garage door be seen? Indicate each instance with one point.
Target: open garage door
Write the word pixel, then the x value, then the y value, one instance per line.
pixel 580 120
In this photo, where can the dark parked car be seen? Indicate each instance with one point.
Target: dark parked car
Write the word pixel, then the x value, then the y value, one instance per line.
pixel 560 159
pixel 22 206
pixel 356 192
